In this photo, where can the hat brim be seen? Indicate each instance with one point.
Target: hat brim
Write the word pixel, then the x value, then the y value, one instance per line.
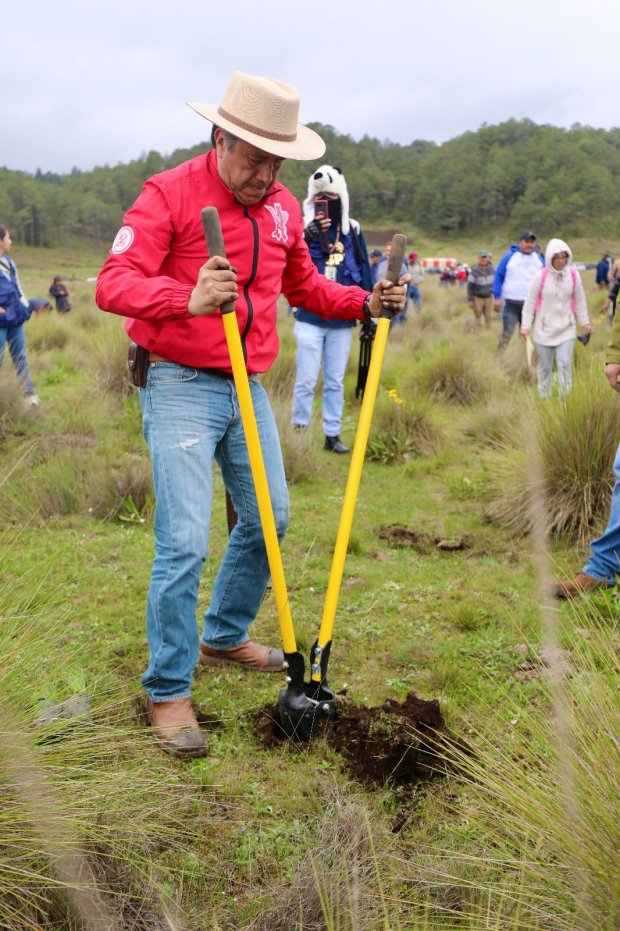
pixel 307 146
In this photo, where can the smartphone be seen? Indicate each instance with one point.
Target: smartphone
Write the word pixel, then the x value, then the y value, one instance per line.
pixel 321 206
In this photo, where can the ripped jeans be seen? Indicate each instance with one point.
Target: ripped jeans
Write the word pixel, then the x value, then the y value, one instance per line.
pixel 191 417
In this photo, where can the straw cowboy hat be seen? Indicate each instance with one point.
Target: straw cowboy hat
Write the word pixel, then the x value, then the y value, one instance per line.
pixel 263 111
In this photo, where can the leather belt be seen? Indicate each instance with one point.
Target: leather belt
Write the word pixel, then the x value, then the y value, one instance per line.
pixel 220 373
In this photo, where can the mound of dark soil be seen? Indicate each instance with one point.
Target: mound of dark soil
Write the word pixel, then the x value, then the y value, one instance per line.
pixel 400 743
pixel 399 537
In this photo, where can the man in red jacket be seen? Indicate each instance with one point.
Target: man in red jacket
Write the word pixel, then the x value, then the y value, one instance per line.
pixel 160 277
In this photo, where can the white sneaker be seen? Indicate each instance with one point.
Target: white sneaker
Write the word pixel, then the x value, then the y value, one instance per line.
pixel 33 400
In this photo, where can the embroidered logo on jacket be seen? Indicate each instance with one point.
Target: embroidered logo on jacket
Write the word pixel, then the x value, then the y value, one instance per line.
pixel 280 218
pixel 123 240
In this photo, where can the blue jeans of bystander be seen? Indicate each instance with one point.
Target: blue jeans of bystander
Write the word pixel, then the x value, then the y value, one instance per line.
pixel 316 343
pixel 191 417
pixel 414 294
pixel 15 336
pixel 604 563
pixel 511 318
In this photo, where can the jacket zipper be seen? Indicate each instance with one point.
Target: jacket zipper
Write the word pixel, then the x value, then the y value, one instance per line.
pixel 250 281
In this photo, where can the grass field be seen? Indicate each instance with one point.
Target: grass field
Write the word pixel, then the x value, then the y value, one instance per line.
pixel 526 837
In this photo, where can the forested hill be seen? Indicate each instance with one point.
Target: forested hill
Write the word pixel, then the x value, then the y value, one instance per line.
pixel 516 174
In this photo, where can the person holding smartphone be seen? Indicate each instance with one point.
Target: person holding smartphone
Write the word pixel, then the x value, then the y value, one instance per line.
pixel 337 248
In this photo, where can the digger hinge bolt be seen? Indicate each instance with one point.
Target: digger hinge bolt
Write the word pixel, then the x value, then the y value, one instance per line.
pixel 288 679
pixel 316 668
pixel 318 652
pixel 285 665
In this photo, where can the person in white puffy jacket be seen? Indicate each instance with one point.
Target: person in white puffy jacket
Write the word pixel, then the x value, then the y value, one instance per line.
pixel 557 300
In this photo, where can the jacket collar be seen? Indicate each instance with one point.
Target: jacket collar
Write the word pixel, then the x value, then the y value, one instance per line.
pixel 211 166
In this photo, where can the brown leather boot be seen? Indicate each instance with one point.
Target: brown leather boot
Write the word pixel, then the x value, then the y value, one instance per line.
pixel 250 655
pixel 576 586
pixel 176 728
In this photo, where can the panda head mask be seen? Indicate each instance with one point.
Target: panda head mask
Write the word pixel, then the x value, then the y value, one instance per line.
pixel 328 180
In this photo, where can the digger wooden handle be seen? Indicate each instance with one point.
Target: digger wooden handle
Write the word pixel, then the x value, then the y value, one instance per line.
pixel 395 264
pixel 215 244
pixel 396 259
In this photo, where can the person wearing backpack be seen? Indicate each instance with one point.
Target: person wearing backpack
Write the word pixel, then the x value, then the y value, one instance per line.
pixel 14 311
pixel 556 300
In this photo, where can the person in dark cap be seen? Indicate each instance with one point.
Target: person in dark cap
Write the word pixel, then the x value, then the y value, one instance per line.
pixel 374 257
pixel 602 272
pixel 512 282
pixel 480 289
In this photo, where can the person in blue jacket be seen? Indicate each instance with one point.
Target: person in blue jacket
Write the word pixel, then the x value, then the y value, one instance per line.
pixel 14 311
pixel 513 277
pixel 602 272
pixel 337 248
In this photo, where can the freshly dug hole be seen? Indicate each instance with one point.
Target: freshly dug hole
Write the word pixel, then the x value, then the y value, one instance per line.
pixel 398 742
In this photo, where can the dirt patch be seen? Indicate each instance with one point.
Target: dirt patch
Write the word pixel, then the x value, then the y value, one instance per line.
pixel 399 537
pixel 400 743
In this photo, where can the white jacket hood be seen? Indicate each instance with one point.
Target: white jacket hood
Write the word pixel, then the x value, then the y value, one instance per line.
pixel 327 179
pixel 553 247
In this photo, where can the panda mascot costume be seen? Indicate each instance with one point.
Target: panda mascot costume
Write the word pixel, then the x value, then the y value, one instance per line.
pixel 337 248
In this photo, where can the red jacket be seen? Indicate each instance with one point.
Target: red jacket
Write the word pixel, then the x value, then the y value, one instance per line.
pixel 155 260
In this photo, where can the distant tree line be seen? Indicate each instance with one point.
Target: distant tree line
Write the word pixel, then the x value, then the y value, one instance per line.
pixel 516 174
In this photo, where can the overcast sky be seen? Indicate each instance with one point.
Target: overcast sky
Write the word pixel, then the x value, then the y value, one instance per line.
pixel 87 82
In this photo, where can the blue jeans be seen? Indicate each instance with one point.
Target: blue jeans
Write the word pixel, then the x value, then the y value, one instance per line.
pixel 604 563
pixel 511 318
pixel 564 360
pixel 191 417
pixel 414 294
pixel 333 346
pixel 15 336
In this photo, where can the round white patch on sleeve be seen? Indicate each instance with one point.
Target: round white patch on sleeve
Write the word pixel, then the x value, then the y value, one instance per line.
pixel 123 240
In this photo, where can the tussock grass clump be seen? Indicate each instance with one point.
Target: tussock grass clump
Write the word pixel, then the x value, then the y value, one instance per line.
pixel 76 829
pixel 299 447
pixel 54 485
pixel 124 491
pixel 13 410
pixel 402 427
pixel 578 438
pixel 513 362
pixel 551 814
pixel 279 380
pixel 493 424
pixel 109 360
pixel 467 616
pixel 60 486
pixel 50 331
pixel 452 374
pixel 335 885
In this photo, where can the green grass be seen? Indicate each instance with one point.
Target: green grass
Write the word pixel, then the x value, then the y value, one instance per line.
pixel 273 839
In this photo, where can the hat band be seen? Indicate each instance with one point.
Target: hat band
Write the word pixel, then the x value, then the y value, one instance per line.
pixel 242 124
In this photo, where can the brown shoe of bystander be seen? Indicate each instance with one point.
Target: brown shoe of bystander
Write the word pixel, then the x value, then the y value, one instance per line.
pixel 579 585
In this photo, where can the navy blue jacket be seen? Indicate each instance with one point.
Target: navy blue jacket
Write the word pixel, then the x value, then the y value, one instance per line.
pixel 354 270
pixel 10 296
pixel 602 272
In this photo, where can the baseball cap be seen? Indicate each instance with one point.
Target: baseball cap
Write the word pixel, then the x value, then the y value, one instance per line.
pixel 413 255
pixel 527 234
pixel 374 252
pixel 482 253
